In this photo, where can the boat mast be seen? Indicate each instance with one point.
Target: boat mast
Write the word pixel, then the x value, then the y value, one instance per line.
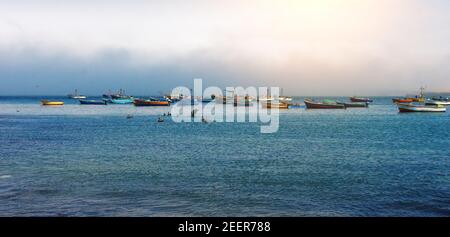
pixel 422 94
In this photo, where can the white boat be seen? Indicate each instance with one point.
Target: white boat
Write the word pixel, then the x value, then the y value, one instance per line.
pixel 272 105
pixel 437 102
pixel 420 108
pixel 285 99
pixel 76 95
pixel 265 99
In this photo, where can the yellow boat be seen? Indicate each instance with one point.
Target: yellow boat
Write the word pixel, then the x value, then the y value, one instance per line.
pixel 420 98
pixel 47 102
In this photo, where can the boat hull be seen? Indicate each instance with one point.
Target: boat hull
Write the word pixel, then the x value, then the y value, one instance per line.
pixel 52 103
pixel 92 102
pixel 408 108
pixel 121 101
pixel 275 105
pixel 355 104
pixel 434 102
pixel 208 100
pixel 399 100
pixel 364 100
pixel 77 97
pixel 317 105
pixel 150 103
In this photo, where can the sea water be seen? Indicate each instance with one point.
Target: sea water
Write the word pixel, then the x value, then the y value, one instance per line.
pixel 90 160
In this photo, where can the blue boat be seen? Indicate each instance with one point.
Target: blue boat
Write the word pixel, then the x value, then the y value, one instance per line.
pixel 92 102
pixel 122 101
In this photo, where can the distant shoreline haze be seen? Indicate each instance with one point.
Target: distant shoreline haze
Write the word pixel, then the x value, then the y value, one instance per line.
pixel 307 47
pixel 429 94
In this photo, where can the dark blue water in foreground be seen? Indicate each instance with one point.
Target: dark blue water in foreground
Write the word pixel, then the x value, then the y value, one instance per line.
pixel 92 161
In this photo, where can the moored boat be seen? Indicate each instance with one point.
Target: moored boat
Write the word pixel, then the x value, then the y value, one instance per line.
pixel 92 102
pixel 354 104
pixel 208 100
pixel 440 98
pixel 75 95
pixel 264 99
pixel 48 102
pixel 274 105
pixel 151 102
pixel 420 108
pixel 437 102
pixel 402 100
pixel 421 97
pixel 418 98
pixel 296 106
pixel 122 101
pixel 326 104
pixel 243 101
pixel 285 99
pixel 359 99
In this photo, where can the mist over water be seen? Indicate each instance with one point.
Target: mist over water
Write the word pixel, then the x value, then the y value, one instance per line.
pixel 316 48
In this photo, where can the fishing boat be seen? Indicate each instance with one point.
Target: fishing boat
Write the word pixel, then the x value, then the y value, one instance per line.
pixel 296 106
pixel 174 98
pixel 420 108
pixel 265 99
pixel 243 101
pixel 92 102
pixel 208 100
pixel 402 100
pixel 120 95
pixel 354 104
pixel 421 97
pixel 118 98
pixel 75 95
pixel 360 99
pixel 326 104
pixel 274 105
pixel 224 99
pixel 418 98
pixel 437 102
pixel 151 102
pixel 285 99
pixel 440 98
pixel 122 101
pixel 48 102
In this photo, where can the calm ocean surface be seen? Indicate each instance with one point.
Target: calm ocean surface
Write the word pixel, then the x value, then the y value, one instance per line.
pixel 91 161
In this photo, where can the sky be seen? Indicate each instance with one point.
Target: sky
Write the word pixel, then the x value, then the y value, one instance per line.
pixel 306 47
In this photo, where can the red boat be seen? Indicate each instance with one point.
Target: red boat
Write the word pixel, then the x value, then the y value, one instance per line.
pixel 358 99
pixel 140 102
pixel 402 100
pixel 323 105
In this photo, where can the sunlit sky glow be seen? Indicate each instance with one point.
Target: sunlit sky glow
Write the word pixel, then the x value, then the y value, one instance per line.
pixel 307 47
